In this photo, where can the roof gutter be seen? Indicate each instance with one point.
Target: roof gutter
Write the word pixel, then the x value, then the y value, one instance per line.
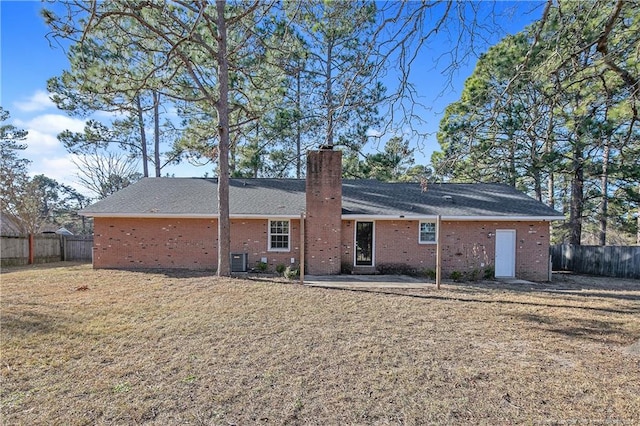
pixel 344 217
pixel 452 218
pixel 503 218
pixel 185 216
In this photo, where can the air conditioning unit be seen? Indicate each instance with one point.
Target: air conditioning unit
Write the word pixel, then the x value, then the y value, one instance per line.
pixel 239 262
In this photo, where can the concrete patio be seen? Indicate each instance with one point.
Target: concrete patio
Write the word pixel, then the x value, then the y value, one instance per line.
pixel 394 281
pixel 367 281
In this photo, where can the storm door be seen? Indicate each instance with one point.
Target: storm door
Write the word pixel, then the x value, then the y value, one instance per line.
pixel 364 243
pixel 506 253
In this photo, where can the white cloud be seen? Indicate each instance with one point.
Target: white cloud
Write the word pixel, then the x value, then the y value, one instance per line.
pixel 109 115
pixel 39 142
pixel 62 169
pixel 374 133
pixel 39 101
pixel 52 124
pixel 43 130
pixel 58 168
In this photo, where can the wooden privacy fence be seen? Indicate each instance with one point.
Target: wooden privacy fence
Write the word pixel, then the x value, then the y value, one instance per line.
pixel 607 261
pixel 14 250
pixel 77 247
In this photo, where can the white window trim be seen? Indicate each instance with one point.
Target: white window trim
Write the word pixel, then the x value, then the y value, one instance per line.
pixel 435 240
pixel 281 250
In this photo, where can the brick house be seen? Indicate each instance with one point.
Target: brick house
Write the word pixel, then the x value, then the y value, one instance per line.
pixel 349 225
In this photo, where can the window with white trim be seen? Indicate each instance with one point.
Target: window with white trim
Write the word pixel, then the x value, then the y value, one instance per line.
pixel 427 232
pixel 279 235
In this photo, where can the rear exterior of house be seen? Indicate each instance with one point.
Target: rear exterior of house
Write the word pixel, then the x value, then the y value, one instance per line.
pixel 466 248
pixel 349 226
pixel 186 242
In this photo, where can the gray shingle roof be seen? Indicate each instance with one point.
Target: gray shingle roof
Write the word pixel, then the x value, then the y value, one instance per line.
pixel 286 197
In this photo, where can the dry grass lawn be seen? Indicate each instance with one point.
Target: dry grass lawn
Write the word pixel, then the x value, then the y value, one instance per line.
pixel 117 347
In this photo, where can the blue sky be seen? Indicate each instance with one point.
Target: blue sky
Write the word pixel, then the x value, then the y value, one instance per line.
pixel 28 59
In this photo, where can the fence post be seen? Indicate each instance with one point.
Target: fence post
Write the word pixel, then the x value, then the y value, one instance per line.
pixel 31 249
pixel 63 248
pixel 438 251
pixel 302 248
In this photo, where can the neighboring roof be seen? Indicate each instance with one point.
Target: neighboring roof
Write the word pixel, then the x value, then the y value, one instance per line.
pixel 197 197
pixel 7 226
pixel 64 231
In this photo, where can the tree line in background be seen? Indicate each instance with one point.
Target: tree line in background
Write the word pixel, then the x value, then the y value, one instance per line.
pixel 553 111
pixel 33 204
pixel 251 86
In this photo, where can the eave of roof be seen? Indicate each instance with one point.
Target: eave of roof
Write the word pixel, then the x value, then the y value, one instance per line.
pixel 187 216
pixel 510 218
pixel 285 198
pixel 358 217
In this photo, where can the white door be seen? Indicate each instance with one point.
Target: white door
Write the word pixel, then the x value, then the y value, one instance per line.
pixel 505 253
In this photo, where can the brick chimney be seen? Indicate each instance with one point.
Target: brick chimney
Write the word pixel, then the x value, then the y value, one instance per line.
pixel 324 212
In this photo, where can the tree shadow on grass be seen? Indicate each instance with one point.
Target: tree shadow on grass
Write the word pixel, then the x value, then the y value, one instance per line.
pixel 43 266
pixel 276 279
pixel 174 273
pixel 595 330
pixel 18 324
pixel 603 288
pixel 431 296
pixel 179 273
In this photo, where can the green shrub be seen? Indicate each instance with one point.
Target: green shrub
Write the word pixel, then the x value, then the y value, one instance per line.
pixel 428 273
pixel 396 269
pixel 475 274
pixel 456 275
pixel 280 268
pixel 291 273
pixel 489 272
pixel 346 268
pixel 262 266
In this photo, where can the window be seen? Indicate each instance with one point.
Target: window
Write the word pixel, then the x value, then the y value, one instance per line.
pixel 279 235
pixel 427 232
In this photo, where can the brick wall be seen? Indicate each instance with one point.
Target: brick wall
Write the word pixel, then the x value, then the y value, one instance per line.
pixel 184 243
pixel 466 246
pixel 323 212
pixel 395 242
pixel 155 243
pixel 347 238
pixel 251 236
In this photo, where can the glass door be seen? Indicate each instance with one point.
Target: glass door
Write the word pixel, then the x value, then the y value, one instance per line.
pixel 364 243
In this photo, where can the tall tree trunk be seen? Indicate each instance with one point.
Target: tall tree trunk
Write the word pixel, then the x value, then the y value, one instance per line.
pixel 537 183
pixel 156 131
pixel 604 182
pixel 551 187
pixel 143 138
pixel 298 125
pixel 512 164
pixel 551 183
pixel 329 95
pixel 638 222
pixel 548 149
pixel 638 231
pixel 577 192
pixel 255 161
pixel 549 146
pixel 233 157
pixel 536 170
pixel 224 225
